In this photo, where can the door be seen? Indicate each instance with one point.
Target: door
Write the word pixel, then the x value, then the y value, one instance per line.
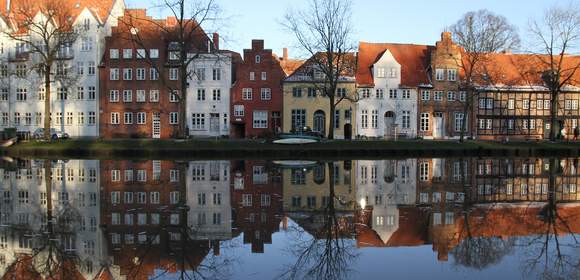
pixel 348 131
pixel 389 125
pixel 319 122
pixel 156 125
pixel 438 125
pixel 214 123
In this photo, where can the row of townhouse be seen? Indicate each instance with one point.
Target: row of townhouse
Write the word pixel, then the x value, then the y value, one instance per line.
pixel 107 84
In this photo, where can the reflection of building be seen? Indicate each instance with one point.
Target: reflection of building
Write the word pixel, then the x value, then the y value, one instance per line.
pixel 385 186
pixel 142 213
pixel 74 196
pixel 209 200
pixel 257 201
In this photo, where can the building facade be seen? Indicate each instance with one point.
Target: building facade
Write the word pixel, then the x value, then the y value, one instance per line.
pixel 75 86
pixel 257 94
pixel 305 106
pixel 388 77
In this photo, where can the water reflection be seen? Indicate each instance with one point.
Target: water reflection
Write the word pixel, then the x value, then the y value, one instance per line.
pixel 89 219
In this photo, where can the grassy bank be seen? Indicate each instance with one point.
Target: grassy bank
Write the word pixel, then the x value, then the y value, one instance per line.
pixel 244 149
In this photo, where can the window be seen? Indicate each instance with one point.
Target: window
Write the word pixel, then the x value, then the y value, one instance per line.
pixel 311 92
pixel 141 53
pixel 141 117
pixel 458 121
pixel 216 95
pixel 140 74
pixel 80 68
pixel 247 94
pixel 153 53
pixel 61 93
pixel 114 96
pixel 92 118
pixel 141 96
pixel 127 74
pixel 198 121
pixel 337 119
pixel 92 93
pixel 127 53
pixel 114 53
pixel 380 72
pixel 21 94
pixel 91 68
pixel 246 200
pixel 173 118
pixel 406 120
pixel 406 94
pixel 298 119
pixel 424 126
pixel 216 74
pixel 450 96
pixel 392 93
pixel 128 118
pixel 86 44
pixel 258 59
pixel 375 119
pixel 80 93
pixel 296 92
pixel 252 76
pixel 438 96
pixel 439 74
pixel 260 119
pixel 21 70
pixel 526 104
pixel 173 74
pixel 392 72
pixel 452 75
pixel 153 74
pixel 154 95
pixel 114 74
pixel 238 110
pixel 380 93
pixel 511 104
pixel 425 95
pixel 365 119
pixel 115 177
pixel 114 118
pixel 266 94
pixel 174 96
pixel 127 96
pixel 264 76
pixel 424 171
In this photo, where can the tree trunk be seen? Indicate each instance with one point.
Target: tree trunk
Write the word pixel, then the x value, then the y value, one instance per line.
pixel 466 106
pixel 331 98
pixel 553 116
pixel 181 128
pixel 47 69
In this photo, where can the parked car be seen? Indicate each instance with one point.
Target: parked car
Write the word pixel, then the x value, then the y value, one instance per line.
pixel 54 134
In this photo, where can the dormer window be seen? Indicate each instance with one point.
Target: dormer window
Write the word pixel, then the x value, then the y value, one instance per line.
pixel 258 59
pixel 318 75
pixel 380 72
pixel 87 24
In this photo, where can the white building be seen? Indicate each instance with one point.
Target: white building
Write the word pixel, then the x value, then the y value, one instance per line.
pixel 76 212
pixel 208 95
pixel 209 200
pixel 388 76
pixel 75 86
pixel 385 186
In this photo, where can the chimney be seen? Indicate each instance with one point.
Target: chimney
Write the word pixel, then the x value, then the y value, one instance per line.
pixel 285 54
pixel 446 36
pixel 285 223
pixel 216 41
pixel 215 244
pixel 171 21
pixel 257 45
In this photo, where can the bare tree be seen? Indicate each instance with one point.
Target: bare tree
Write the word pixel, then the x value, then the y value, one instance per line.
pixel 324 31
pixel 44 33
pixel 553 38
pixel 186 41
pixel 480 33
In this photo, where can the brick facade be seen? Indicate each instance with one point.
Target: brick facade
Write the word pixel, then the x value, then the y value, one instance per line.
pixel 258 90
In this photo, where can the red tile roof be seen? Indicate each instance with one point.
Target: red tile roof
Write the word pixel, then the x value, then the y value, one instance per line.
pixel 414 60
pixel 101 8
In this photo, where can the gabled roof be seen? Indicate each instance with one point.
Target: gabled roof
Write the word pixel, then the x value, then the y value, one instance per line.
pixel 302 70
pixel 414 61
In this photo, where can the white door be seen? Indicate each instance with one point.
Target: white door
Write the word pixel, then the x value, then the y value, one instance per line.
pixel 438 125
pixel 156 125
pixel 214 123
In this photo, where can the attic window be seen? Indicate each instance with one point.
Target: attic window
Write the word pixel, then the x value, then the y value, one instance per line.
pixel 77 5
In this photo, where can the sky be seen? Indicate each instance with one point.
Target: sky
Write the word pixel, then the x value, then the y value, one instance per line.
pixel 392 21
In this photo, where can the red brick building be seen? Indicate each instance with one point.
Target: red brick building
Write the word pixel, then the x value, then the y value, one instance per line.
pixel 256 202
pixel 257 94
pixel 137 74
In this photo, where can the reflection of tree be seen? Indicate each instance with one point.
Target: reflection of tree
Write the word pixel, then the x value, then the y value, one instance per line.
pixel 53 250
pixel 328 251
pixel 481 252
pixel 546 252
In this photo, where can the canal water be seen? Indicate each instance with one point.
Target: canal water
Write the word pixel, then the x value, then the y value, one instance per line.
pixel 416 218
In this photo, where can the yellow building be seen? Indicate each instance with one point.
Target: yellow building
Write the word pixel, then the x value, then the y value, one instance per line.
pixel 305 106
